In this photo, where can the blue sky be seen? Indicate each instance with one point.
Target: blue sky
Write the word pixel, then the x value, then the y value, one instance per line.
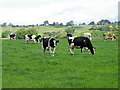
pixel 37 11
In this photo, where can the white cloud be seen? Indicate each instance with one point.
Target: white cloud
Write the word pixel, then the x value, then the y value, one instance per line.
pixel 37 11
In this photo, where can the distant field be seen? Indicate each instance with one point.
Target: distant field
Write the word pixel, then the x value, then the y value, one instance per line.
pixel 42 29
pixel 27 67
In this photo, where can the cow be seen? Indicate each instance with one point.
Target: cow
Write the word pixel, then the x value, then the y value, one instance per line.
pixel 32 37
pixel 109 36
pixel 49 44
pixel 80 43
pixel 12 36
pixel 88 35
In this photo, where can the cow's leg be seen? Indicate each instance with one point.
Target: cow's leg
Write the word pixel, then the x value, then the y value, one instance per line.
pixel 113 38
pixel 26 41
pixel 43 48
pixel 88 51
pixel 44 51
pixel 71 48
pixel 52 51
pixel 71 51
pixel 35 41
pixel 15 37
pixel 82 49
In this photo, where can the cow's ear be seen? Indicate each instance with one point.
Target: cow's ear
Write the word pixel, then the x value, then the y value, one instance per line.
pixel 57 41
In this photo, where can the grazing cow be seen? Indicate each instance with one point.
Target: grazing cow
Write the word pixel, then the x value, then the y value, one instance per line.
pixel 109 36
pixel 88 35
pixel 79 42
pixel 12 36
pixel 49 44
pixel 32 37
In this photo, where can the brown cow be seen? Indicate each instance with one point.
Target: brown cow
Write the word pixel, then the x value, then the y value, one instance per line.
pixel 109 36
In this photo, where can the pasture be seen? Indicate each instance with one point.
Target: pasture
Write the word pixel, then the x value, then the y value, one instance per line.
pixel 26 66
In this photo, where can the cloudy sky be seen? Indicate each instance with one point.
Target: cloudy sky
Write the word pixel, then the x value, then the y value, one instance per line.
pixel 37 11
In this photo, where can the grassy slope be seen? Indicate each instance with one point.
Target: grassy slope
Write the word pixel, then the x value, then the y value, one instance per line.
pixel 42 29
pixel 26 66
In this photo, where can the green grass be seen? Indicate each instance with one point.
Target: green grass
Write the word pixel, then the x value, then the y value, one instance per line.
pixel 26 66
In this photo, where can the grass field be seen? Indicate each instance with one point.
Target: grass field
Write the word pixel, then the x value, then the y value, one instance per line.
pixel 26 67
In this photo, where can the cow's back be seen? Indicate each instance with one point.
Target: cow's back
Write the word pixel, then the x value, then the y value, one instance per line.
pixel 83 42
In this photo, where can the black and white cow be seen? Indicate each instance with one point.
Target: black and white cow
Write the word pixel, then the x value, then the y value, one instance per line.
pixel 79 42
pixel 12 36
pixel 32 37
pixel 49 44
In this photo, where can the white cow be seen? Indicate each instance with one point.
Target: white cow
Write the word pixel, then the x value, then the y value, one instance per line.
pixel 88 35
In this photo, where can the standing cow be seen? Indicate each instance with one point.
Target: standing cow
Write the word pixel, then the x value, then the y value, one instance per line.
pixel 109 36
pixel 88 35
pixel 32 37
pixel 12 36
pixel 79 42
pixel 49 44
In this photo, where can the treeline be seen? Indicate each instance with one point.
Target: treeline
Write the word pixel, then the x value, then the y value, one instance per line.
pixel 57 24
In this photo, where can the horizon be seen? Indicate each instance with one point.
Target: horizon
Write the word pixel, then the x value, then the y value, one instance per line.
pixel 58 22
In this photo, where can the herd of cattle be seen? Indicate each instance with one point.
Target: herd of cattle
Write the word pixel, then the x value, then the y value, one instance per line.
pixel 83 43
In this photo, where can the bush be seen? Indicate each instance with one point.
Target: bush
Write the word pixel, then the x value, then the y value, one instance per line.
pixel 31 31
pixel 5 34
pixel 97 33
pixel 78 33
pixel 22 32
pixel 70 30
pixel 61 34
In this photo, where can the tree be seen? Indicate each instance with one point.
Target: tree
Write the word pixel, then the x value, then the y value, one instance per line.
pixel 10 24
pixel 92 23
pixel 4 24
pixel 46 23
pixel 103 22
pixel 70 23
pixel 56 24
pixel 61 24
pixel 83 24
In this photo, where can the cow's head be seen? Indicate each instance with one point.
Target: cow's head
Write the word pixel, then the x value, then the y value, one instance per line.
pixel 69 35
pixel 39 36
pixel 53 42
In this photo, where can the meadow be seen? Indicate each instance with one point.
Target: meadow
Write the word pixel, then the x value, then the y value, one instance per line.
pixel 25 66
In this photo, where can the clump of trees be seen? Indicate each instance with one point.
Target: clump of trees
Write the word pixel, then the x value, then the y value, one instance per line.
pixel 22 32
pixel 103 22
pixel 92 23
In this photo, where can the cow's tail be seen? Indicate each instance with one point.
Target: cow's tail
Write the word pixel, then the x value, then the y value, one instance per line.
pixel 90 46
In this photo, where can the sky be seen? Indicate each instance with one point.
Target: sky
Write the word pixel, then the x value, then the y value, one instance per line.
pixel 25 12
